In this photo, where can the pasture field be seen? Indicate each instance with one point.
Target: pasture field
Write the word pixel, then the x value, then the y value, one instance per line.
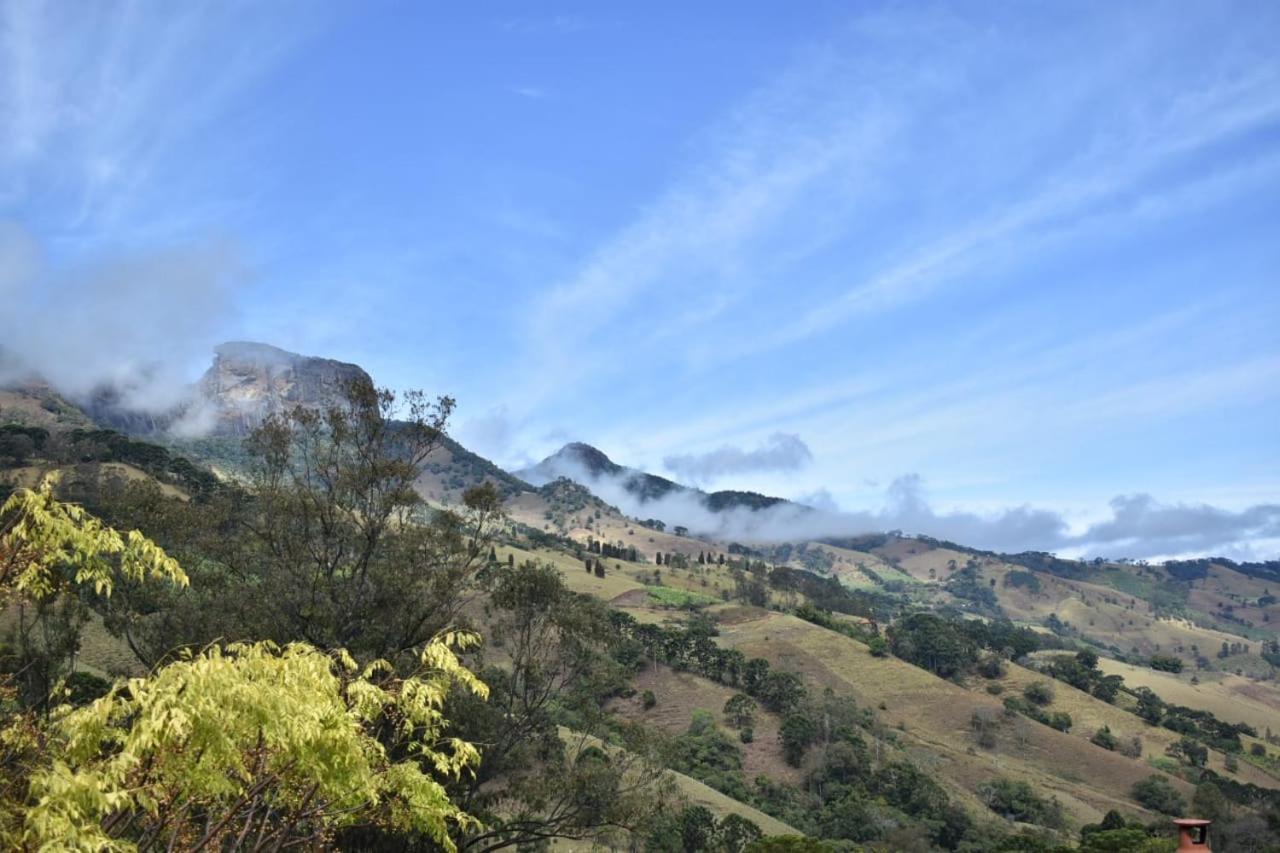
pixel 1227 696
pixel 932 718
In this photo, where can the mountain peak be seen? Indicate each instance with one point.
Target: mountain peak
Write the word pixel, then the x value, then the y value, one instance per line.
pixel 594 460
pixel 249 381
pixel 631 488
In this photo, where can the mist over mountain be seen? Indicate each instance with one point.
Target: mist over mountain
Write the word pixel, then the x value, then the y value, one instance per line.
pixel 247 382
pixel 1139 526
pixel 641 494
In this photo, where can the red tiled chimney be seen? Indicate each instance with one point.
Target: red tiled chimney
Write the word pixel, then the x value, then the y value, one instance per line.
pixel 1193 836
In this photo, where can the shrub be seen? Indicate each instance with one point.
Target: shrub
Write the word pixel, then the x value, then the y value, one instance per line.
pixel 1060 720
pixel 747 735
pixel 1039 692
pixel 1131 748
pixel 84 687
pixel 648 699
pixel 1105 739
pixel 991 666
pixel 1258 750
pixel 740 709
pixel 1157 794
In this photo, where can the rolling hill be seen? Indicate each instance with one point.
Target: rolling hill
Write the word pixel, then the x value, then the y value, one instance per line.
pixel 815 609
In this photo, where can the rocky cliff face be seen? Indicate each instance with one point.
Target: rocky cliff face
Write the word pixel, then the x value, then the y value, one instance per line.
pixel 249 382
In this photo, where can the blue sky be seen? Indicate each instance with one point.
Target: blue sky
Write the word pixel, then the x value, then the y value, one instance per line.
pixel 1019 253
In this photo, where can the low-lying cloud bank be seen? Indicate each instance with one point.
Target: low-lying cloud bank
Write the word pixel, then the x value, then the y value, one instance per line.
pixel 1139 526
pixel 134 323
pixel 780 452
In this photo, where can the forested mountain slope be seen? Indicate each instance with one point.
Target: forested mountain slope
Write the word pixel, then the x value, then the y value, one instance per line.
pixel 884 691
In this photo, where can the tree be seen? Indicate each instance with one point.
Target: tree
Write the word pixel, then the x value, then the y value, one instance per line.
pixel 1016 800
pixel 201 755
pixel 1209 803
pixel 536 782
pixel 697 828
pixel 332 546
pixel 1128 839
pixel 48 547
pixel 1150 707
pixel 780 692
pixel 740 710
pixel 18 447
pixel 933 644
pixel 335 499
pixel 1195 753
pixel 1157 794
pixel 754 672
pixel 735 833
pixel 797 732
pixel 49 552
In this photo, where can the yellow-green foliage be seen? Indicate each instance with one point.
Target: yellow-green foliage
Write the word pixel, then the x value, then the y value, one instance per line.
pixel 45 543
pixel 252 745
pixel 254 739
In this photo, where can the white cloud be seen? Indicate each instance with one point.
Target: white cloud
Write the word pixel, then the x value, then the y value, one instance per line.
pixel 139 322
pixel 780 452
pixel 1137 526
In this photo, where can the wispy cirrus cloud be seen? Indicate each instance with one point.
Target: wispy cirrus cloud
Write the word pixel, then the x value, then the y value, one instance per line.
pixel 814 163
pixel 101 102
